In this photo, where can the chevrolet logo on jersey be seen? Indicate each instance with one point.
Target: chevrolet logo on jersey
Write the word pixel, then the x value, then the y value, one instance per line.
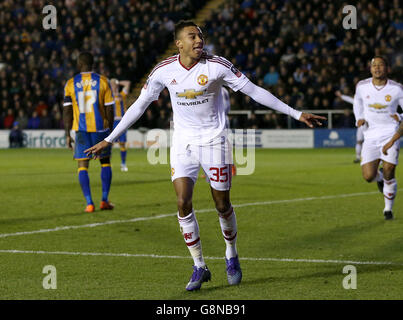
pixel 189 94
pixel 377 106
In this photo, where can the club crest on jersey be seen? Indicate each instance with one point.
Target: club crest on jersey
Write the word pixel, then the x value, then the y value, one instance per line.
pixel 189 94
pixel 236 71
pixel 388 98
pixel 202 79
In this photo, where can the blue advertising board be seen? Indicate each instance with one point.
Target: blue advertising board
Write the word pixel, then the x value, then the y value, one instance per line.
pixel 334 138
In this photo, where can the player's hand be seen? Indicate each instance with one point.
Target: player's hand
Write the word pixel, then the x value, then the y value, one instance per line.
pixel 95 151
pixel 338 93
pixel 387 146
pixel 395 117
pixel 311 120
pixel 360 123
pixel 69 142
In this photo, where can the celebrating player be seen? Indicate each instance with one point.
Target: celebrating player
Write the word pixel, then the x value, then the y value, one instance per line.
pixel 120 109
pixel 88 110
pixel 194 80
pixel 375 103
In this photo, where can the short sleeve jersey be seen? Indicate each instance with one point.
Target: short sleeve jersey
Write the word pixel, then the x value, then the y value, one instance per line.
pixel 196 96
pixel 88 93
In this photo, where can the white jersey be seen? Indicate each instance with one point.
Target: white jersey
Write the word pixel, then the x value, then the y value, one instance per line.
pixel 226 105
pixel 376 105
pixel 197 101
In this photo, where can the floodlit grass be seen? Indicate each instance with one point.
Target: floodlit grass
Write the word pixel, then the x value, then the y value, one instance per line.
pixel 336 218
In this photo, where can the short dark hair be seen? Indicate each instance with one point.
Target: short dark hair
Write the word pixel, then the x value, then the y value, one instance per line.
pixel 86 58
pixel 181 25
pixel 384 59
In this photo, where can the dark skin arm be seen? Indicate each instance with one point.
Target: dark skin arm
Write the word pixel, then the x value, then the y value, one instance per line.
pixel 68 123
pixel 109 116
pixel 395 137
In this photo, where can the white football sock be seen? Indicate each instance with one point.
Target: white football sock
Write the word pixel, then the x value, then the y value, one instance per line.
pixel 389 193
pixel 190 231
pixel 229 231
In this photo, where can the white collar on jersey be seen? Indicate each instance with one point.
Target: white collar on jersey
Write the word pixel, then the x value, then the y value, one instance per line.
pixel 379 87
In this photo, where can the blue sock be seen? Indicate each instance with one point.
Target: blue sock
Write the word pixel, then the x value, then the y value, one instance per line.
pixel 106 177
pixel 85 184
pixel 123 153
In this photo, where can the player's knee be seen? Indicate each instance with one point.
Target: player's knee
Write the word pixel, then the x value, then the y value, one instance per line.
pixel 368 176
pixel 222 206
pixel 184 205
pixel 388 174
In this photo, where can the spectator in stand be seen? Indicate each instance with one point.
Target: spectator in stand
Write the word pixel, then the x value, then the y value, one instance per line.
pixel 253 122
pixel 57 120
pixel 121 34
pixel 34 121
pixel 270 121
pixel 271 78
pixel 22 119
pixel 300 40
pixel 8 119
pixel 45 122
pixel 305 42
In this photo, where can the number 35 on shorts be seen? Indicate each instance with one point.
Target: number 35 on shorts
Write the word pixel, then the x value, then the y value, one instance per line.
pixel 219 174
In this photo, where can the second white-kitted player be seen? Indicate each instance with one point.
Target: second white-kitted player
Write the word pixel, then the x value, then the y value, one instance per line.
pixel 375 103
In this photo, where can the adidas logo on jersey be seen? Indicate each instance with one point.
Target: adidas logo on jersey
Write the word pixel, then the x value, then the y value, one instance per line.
pixel 173 82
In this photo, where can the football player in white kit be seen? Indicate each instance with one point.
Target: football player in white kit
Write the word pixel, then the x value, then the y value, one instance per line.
pixel 194 80
pixel 375 103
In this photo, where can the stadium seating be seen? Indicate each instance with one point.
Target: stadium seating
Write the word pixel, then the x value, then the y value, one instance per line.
pixel 300 52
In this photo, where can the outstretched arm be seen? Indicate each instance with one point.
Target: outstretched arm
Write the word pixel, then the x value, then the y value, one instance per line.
pixel 344 97
pixel 134 112
pixel 265 98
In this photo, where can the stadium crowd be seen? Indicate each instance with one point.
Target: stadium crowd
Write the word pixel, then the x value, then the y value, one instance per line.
pixel 125 36
pixel 297 50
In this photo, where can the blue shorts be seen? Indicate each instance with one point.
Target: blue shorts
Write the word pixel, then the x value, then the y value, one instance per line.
pixel 123 137
pixel 85 140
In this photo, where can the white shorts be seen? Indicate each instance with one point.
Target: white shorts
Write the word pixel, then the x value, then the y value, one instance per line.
pixel 215 159
pixel 372 150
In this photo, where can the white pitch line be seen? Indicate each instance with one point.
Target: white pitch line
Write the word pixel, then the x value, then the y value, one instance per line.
pixel 92 225
pixel 155 256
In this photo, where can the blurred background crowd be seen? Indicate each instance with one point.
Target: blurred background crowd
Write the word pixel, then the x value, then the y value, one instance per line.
pixel 298 50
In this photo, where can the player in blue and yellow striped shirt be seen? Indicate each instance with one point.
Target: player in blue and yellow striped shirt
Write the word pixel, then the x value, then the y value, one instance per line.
pixel 120 109
pixel 88 110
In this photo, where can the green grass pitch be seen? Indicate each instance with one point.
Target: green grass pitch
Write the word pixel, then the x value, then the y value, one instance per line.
pixel 291 249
